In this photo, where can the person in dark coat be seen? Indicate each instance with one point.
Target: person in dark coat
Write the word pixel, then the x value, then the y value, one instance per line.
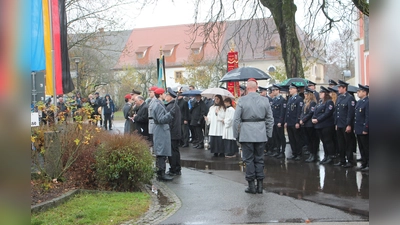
pixel 175 129
pixel 198 112
pixel 305 121
pixel 270 145
pixel 98 102
pixel 109 108
pixel 141 117
pixel 292 122
pixel 324 124
pixel 278 107
pixel 361 126
pixel 125 111
pixel 344 122
pixel 184 107
pixel 133 110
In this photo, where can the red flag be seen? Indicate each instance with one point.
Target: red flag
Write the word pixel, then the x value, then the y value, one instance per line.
pixel 55 16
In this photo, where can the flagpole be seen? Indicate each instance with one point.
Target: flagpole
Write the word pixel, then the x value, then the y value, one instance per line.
pixel 163 68
pixel 52 60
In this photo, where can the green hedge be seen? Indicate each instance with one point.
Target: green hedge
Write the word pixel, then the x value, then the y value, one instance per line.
pixel 123 162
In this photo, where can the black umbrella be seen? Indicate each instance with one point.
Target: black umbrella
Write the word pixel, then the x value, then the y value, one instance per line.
pixel 299 82
pixel 191 93
pixel 245 73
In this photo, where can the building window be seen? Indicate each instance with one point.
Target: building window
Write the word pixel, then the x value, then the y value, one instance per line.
pixel 178 76
pixel 141 51
pixel 196 47
pixel 168 49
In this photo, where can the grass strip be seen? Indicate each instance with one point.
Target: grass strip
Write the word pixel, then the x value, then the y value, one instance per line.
pixel 96 208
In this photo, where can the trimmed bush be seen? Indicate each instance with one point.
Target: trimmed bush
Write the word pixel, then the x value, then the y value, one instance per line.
pixel 123 162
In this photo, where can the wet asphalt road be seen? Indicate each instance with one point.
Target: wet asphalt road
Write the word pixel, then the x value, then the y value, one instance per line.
pixel 346 190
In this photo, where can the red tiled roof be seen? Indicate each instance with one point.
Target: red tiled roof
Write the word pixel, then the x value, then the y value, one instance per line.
pixel 154 39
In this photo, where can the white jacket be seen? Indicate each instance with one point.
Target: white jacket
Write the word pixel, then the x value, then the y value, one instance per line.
pixel 215 120
pixel 228 122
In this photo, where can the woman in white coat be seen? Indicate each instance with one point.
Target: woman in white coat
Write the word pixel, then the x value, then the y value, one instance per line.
pixel 215 118
pixel 231 147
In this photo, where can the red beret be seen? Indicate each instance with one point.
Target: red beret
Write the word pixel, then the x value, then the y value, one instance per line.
pixel 128 96
pixel 252 79
pixel 159 91
pixel 153 88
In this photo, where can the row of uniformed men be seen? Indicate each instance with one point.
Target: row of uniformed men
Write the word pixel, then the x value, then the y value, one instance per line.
pixel 334 121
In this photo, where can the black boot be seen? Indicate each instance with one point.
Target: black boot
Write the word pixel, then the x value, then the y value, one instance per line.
pixel 311 158
pixel 259 186
pixel 252 187
pixel 164 177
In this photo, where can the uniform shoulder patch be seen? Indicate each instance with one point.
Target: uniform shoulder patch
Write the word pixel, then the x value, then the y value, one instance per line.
pixel 312 109
pixel 301 104
pixel 284 105
pixel 330 107
pixel 353 103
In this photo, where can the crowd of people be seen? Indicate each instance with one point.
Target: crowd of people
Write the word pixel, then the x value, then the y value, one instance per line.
pixel 332 116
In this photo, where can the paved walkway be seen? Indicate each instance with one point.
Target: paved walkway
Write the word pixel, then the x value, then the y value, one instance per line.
pixel 209 199
pixel 207 196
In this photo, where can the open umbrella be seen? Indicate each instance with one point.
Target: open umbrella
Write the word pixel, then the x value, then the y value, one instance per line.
pixel 212 92
pixel 300 82
pixel 245 73
pixel 191 93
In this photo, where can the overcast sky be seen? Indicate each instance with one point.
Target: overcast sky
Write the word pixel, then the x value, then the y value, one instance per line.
pixel 166 12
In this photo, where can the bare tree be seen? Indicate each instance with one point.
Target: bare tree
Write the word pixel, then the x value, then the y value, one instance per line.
pixel 340 56
pixel 335 14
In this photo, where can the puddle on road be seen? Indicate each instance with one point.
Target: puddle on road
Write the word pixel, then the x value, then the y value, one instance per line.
pixel 303 180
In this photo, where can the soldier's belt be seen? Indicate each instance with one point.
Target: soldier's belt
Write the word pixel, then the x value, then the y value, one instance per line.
pixel 253 120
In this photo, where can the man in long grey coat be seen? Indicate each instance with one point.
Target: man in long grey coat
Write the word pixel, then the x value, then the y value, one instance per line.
pixel 161 133
pixel 252 124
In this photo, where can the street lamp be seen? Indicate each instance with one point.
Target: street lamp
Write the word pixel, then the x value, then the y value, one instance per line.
pixel 78 82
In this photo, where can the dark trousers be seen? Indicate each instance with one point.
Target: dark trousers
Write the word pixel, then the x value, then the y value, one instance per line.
pixel 192 133
pixel 160 162
pixel 326 136
pixel 346 144
pixel 253 157
pixel 335 144
pixel 175 158
pixel 363 145
pixel 279 140
pixel 312 139
pixel 199 137
pixel 294 140
pixel 107 119
pixel 185 133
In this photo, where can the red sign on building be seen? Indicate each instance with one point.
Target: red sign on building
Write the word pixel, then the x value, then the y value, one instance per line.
pixel 233 63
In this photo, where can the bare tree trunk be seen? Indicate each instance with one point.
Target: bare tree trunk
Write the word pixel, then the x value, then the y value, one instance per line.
pixel 283 12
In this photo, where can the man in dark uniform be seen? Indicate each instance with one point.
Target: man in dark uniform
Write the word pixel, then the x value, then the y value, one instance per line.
pixel 361 126
pixel 278 110
pixel 183 105
pixel 292 122
pixel 311 85
pixel 344 122
pixel 269 145
pixel 175 130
